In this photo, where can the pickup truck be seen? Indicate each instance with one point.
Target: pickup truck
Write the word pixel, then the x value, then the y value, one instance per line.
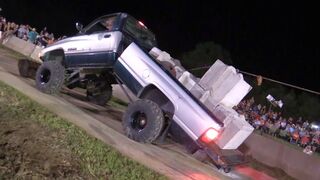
pixel 118 49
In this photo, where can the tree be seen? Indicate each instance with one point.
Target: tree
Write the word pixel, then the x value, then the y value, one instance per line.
pixel 204 55
pixel 308 106
pixel 290 104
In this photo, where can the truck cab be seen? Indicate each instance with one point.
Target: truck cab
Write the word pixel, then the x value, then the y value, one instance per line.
pixel 99 44
pixel 86 60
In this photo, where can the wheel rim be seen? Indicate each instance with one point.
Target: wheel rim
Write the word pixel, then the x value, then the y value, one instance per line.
pixel 138 121
pixel 45 76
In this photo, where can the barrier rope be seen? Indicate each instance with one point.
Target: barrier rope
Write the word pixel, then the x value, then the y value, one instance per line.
pixel 265 78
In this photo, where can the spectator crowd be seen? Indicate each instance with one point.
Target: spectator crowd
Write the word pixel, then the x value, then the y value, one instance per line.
pixel 26 32
pixel 294 130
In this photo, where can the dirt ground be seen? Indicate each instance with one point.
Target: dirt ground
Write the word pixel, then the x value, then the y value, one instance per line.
pixel 29 151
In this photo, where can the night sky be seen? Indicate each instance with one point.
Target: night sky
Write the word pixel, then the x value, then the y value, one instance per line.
pixel 276 39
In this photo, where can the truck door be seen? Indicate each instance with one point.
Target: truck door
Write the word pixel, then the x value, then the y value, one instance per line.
pixel 97 47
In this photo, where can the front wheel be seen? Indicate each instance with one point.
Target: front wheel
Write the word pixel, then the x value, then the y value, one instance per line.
pixel 143 121
pixel 50 77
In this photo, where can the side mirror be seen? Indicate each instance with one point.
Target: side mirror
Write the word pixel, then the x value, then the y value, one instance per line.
pixel 79 26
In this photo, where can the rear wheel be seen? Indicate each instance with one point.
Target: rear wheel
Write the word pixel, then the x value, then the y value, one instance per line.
pixel 23 66
pixel 100 96
pixel 50 77
pixel 143 121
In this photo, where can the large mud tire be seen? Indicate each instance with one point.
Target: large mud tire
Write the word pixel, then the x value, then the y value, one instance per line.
pixel 102 98
pixel 24 67
pixel 50 77
pixel 143 121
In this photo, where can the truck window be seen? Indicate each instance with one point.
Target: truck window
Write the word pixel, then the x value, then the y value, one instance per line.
pixel 140 32
pixel 105 24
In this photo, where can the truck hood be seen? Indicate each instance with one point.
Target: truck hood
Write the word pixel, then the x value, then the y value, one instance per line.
pixel 59 44
pixel 75 38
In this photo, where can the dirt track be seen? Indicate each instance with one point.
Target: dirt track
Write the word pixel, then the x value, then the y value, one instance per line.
pixel 29 151
pixel 104 123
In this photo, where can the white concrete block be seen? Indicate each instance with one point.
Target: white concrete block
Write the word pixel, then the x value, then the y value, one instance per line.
pixel 223 85
pixel 197 91
pixel 187 80
pixel 234 133
pixel 164 58
pixel 212 75
pixel 154 52
pixel 236 93
pixel 230 91
pixel 224 114
pixel 179 71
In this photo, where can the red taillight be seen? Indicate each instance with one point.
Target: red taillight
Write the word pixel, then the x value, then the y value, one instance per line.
pixel 209 135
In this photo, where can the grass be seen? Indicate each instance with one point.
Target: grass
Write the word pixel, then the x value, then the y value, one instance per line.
pixel 98 159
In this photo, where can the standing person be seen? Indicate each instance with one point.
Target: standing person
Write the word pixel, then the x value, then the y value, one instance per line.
pixel 9 29
pixel 50 39
pixel 21 31
pixel 305 124
pixel 15 28
pixel 2 25
pixel 43 31
pixel 7 26
pixel 44 39
pixel 32 36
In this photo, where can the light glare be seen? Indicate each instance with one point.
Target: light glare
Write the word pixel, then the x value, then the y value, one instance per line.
pixel 211 134
pixel 141 23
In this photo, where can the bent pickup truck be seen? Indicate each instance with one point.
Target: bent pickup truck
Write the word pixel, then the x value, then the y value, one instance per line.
pixel 118 49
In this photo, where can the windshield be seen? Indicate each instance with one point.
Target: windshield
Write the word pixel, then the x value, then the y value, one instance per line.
pixel 102 24
pixel 140 32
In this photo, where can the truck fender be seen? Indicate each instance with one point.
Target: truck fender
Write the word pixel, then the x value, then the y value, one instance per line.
pixel 54 55
pixel 154 94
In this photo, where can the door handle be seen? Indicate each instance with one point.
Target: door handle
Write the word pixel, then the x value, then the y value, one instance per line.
pixel 107 35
